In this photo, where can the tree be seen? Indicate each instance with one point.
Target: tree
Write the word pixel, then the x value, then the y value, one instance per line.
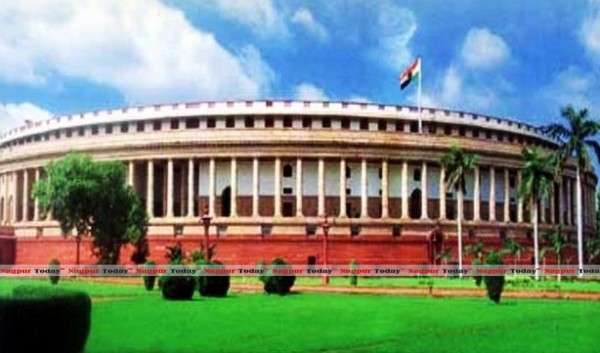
pixel 93 198
pixel 457 163
pixel 476 249
pixel 513 248
pixel 576 135
pixel 537 179
pixel 556 243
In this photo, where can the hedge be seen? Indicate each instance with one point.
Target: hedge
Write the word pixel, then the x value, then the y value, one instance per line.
pixel 278 284
pixel 213 286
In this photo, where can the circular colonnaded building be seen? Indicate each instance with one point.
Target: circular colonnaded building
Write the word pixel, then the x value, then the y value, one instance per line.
pixel 269 171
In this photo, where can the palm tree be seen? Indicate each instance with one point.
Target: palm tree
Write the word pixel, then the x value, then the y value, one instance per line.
pixel 513 248
pixel 537 179
pixel 457 163
pixel 576 135
pixel 477 250
pixel 556 243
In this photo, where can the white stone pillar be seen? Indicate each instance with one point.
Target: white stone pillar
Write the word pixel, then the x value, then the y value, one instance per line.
pixel 150 190
pixel 343 188
pixel 211 187
pixel 321 188
pixel 277 191
pixel 492 202
pixel 233 202
pixel 476 195
pixel 190 194
pixel 169 188
pixel 25 195
pixel 299 212
pixel 424 191
pixel 384 190
pixel 364 196
pixel 442 192
pixel 569 198
pixel 404 189
pixel 506 196
pixel 15 180
pixel 255 187
pixel 519 199
pixel 36 207
pixel 130 173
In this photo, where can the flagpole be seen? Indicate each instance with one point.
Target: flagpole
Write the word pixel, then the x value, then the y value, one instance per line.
pixel 419 96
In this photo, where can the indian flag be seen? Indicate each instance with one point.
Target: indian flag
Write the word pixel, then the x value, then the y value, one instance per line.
pixel 411 73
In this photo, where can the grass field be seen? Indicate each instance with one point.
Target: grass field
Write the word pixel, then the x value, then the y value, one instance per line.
pixel 332 323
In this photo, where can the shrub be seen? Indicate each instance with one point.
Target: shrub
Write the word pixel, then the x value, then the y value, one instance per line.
pixel 149 279
pixel 353 276
pixel 213 286
pixel 178 287
pixel 44 319
pixel 478 278
pixel 494 284
pixel 278 284
pixel 54 265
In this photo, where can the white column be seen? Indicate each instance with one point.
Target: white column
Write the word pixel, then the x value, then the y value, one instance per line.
pixel 211 187
pixel 364 199
pixel 36 207
pixel 506 196
pixel 277 191
pixel 150 190
pixel 343 188
pixel 233 202
pixel 424 191
pixel 569 197
pixel 404 189
pixel 321 188
pixel 255 186
pixel 25 195
pixel 476 195
pixel 170 188
pixel 130 173
pixel 519 200
pixel 299 187
pixel 442 192
pixel 384 190
pixel 492 202
pixel 14 205
pixel 190 195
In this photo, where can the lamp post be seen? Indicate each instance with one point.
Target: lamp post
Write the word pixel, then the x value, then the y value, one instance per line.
pixel 326 227
pixel 206 218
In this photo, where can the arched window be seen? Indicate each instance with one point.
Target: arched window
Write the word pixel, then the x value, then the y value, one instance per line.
pixel 288 171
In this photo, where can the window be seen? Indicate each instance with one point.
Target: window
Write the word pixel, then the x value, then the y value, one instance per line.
pixel 287 171
pixel 229 122
pixel 348 172
pixel 500 137
pixel 269 122
pixel 488 135
pixel 475 133
pixel 174 124
pixel 57 135
pixel 288 121
pixel 414 126
pixel 156 126
pixel 288 209
pixel 211 123
pixel 417 174
pixel 124 127
pixel 447 130
pixel 462 132
pixel 399 126
pixel 249 122
pixel 192 123
pixel 81 131
pixel 140 126
pixel 364 124
pixel 95 130
pixel 511 138
pixel 108 128
pixel 348 192
pixel 307 122
pixel 432 128
pixel 287 191
pixel 345 124
pixel 69 133
pixel 382 125
pixel 327 123
pixel 512 181
pixel 380 173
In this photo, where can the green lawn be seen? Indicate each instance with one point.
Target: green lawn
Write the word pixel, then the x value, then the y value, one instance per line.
pixel 333 323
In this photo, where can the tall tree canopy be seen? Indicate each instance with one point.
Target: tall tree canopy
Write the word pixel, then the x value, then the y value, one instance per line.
pixel 93 199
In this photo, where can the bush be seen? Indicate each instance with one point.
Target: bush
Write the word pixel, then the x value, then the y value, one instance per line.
pixel 213 286
pixel 278 284
pixel 149 279
pixel 54 265
pixel 44 319
pixel 494 284
pixel 353 277
pixel 177 287
pixel 478 278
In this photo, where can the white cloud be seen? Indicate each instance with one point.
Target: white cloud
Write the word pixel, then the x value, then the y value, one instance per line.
pixel 16 114
pixel 394 28
pixel 590 29
pixel 146 50
pixel 260 16
pixel 305 19
pixel 572 86
pixel 308 91
pixel 359 99
pixel 484 49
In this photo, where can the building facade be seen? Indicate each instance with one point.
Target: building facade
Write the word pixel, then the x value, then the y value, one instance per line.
pixel 268 172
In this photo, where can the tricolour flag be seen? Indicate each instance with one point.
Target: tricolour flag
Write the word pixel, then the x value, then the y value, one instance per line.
pixel 411 73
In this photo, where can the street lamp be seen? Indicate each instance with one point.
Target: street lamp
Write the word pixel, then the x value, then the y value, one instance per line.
pixel 326 227
pixel 206 218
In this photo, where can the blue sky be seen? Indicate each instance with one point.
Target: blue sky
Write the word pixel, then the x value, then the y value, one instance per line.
pixel 516 59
